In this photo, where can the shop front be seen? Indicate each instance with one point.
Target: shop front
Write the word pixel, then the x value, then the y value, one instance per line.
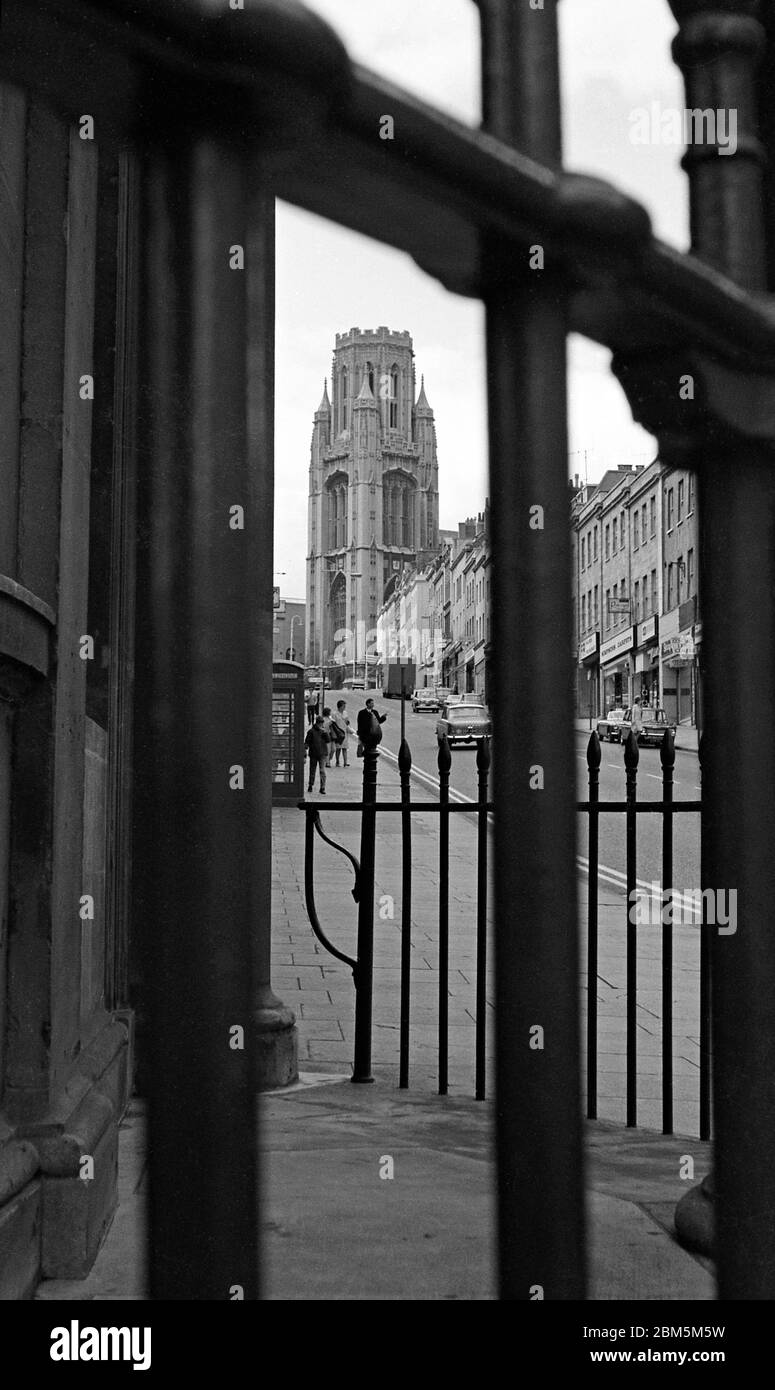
pixel 645 679
pixel 588 678
pixel 679 663
pixel 616 667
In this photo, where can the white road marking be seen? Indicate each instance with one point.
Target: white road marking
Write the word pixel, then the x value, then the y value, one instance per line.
pixel 605 872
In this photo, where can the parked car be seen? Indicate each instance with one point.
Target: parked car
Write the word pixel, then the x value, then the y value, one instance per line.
pixel 611 728
pixel 463 721
pixel 655 723
pixel 425 699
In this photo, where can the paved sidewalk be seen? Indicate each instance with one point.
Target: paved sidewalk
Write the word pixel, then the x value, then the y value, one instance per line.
pixel 319 988
pixel 333 1229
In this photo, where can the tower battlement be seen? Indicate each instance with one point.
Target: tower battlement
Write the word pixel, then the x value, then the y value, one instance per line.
pixel 397 337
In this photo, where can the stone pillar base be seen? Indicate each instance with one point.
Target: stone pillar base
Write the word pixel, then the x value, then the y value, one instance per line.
pixel 694 1219
pixel 276 1047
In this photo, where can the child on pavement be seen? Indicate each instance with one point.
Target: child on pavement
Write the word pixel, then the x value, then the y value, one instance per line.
pixel 316 746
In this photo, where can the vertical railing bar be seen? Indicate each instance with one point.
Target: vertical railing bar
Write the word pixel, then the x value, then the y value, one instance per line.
pixel 370 735
pixel 593 764
pixel 667 756
pixel 404 769
pixel 631 756
pixel 705 987
pixel 483 766
pixel 539 1133
pixel 444 764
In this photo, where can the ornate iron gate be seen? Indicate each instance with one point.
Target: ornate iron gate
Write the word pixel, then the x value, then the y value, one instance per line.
pixel 229 108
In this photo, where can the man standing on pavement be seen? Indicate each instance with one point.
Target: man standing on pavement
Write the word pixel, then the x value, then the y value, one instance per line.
pixel 311 699
pixel 637 718
pixel 316 746
pixel 369 720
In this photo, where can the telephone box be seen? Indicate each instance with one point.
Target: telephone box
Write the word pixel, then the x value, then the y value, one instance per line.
pixel 287 732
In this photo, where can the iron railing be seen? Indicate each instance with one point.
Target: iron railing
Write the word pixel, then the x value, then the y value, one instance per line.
pixel 481 809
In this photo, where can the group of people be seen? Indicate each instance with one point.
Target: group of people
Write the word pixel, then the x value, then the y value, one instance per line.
pixel 329 736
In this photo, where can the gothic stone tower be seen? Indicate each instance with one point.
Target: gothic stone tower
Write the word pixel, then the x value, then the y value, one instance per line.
pixel 373 489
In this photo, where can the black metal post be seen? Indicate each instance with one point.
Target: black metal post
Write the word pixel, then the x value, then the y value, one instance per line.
pixel 203 774
pixel 706 1057
pixel 539 1153
pixel 667 756
pixel 594 757
pixel 483 768
pixel 404 769
pixel 444 763
pixel 718 50
pixel 631 756
pixel 364 971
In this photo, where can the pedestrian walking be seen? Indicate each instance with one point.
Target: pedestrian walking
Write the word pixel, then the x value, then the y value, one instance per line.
pixel 327 730
pixel 311 701
pixel 636 717
pixel 316 746
pixel 340 733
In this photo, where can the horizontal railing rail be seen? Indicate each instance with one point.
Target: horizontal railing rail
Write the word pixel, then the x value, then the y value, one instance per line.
pixel 443 187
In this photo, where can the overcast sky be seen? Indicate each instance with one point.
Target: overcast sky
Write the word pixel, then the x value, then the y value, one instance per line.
pixel 615 58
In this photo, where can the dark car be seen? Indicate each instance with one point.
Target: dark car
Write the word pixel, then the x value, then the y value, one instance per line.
pixel 464 722
pixel 655 723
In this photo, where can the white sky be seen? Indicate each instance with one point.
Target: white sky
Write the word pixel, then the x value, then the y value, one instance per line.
pixel 616 57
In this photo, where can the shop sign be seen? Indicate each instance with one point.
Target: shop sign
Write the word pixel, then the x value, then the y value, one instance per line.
pixel 588 647
pixel 615 646
pixel 647 631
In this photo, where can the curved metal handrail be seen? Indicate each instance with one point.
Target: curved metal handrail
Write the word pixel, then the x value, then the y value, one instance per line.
pixel 313 824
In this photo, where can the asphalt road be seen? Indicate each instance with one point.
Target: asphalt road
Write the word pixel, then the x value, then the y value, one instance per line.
pixel 421 737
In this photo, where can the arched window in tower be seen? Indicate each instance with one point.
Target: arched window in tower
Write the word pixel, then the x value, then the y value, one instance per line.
pixel 343 400
pixel 406 516
pixel 394 396
pixel 338 608
pixel 332 518
pixel 370 375
pixel 342 515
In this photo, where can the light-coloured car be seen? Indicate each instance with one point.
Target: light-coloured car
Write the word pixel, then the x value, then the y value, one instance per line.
pixel 613 727
pixel 425 699
pixel 464 722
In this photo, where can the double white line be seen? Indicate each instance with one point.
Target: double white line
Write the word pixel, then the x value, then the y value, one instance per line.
pixel 614 877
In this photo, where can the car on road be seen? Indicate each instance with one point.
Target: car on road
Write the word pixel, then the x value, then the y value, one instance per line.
pixel 617 725
pixel 611 728
pixel 463 722
pixel 425 699
pixel 655 724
